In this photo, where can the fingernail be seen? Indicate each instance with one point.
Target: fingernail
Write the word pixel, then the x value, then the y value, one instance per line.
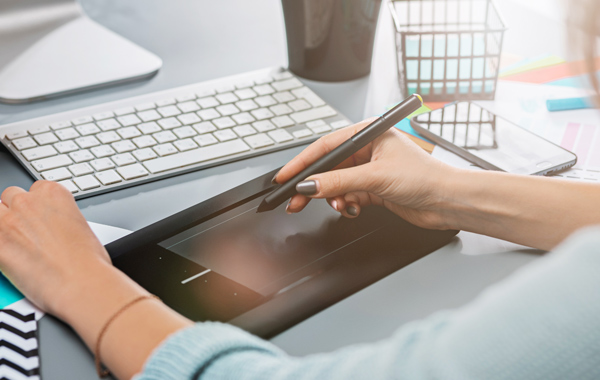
pixel 307 187
pixel 288 207
pixel 274 180
pixel 334 205
pixel 351 210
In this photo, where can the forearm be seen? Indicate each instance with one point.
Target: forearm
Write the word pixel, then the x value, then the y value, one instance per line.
pixel 133 335
pixel 535 211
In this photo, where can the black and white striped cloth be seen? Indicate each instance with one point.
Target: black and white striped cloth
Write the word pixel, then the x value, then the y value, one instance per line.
pixel 19 354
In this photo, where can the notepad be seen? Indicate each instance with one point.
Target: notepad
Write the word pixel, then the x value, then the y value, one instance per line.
pixel 19 349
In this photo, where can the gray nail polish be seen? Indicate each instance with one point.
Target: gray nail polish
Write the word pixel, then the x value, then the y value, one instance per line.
pixel 351 210
pixel 274 177
pixel 307 187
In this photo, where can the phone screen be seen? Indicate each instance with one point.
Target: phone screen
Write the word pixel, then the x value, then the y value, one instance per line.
pixel 492 139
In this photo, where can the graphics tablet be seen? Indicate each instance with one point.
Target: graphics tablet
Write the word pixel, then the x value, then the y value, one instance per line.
pixel 222 261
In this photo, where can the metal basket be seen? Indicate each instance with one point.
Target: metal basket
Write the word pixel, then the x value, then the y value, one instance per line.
pixel 448 49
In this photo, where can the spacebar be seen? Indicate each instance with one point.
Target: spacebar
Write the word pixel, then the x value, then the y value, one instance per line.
pixel 196 156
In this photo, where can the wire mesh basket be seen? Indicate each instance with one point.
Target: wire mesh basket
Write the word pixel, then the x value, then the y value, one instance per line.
pixel 448 49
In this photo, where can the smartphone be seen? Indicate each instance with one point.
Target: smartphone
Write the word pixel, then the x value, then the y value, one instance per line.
pixel 490 141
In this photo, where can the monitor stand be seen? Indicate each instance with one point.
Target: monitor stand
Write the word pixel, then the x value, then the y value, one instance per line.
pixel 50 48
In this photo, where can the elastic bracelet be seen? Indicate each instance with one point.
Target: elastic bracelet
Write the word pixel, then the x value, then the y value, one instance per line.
pixel 101 371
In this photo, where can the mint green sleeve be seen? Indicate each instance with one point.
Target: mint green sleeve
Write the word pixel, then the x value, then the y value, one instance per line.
pixel 541 323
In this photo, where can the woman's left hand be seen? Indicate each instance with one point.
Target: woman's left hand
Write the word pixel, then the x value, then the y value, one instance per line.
pixel 47 249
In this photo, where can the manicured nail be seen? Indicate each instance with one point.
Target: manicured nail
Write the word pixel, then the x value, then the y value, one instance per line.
pixel 287 208
pixel 274 180
pixel 307 187
pixel 334 205
pixel 351 210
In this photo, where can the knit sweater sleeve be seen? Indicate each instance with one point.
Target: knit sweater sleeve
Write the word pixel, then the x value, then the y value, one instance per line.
pixel 541 323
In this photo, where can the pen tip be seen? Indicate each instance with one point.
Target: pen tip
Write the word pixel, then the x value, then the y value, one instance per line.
pixel 262 207
pixel 420 98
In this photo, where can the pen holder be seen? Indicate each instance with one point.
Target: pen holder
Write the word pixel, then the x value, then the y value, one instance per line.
pixel 448 49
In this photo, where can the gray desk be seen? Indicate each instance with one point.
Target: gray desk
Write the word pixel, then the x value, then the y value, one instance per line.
pixel 200 40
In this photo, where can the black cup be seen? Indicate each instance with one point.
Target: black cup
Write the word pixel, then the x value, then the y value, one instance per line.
pixel 330 40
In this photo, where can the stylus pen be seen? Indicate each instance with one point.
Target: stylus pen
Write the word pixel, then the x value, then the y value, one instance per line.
pixel 344 151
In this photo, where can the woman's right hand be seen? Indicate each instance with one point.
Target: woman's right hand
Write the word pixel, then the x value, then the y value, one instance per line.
pixel 392 171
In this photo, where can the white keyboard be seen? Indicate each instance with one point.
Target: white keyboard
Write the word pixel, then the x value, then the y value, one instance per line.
pixel 115 145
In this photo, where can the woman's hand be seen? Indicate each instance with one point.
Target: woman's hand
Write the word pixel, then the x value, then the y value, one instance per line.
pixel 46 247
pixel 392 172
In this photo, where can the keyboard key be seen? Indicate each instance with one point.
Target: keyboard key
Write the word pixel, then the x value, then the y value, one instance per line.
pixel 103 151
pixel 56 174
pixel 246 105
pixel 244 130
pixel 16 134
pixel 228 109
pixel 144 141
pixel 81 169
pixel 282 75
pixel 281 109
pixel 51 163
pixel 321 129
pixel 246 93
pixel 165 136
pixel 208 114
pixel 165 149
pixel 284 97
pixel 39 152
pixel 340 124
pixel 184 132
pixel 208 102
pixel 227 97
pixel 86 129
pixel 87 182
pixel 168 111
pixel 123 146
pixel 169 123
pixel 264 89
pixel 225 135
pixel 46 138
pixel 189 118
pixel 262 113
pixel 280 135
pixel 165 102
pixel 108 137
pixel 149 128
pixel 243 118
pixel 264 80
pixel 186 97
pixel 82 156
pixel 69 185
pixel 224 122
pixel 133 171
pixel 87 142
pixel 188 107
pixel 301 133
pixel 82 120
pixel 129 132
pixel 102 164
pixel 263 126
pixel 244 84
pixel 144 154
pixel 196 156
pixel 123 159
pixel 60 125
pixel 205 92
pixel 40 129
pixel 299 105
pixel 108 177
pixel 66 146
pixel 144 107
pixel 186 144
pixel 103 115
pixel 128 120
pixel 309 96
pixel 282 121
pixel 225 88
pixel 313 114
pixel 149 115
pixel 265 101
pixel 108 124
pixel 287 84
pixel 315 123
pixel 205 140
pixel 204 127
pixel 24 143
pixel 259 141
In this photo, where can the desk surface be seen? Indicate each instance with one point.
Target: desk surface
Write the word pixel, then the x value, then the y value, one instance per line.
pixel 201 40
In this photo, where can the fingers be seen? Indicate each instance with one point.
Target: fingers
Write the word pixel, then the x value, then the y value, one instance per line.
pixel 317 150
pixel 339 182
pixel 9 195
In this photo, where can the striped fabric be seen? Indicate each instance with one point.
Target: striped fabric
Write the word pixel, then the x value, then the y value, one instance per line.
pixel 19 355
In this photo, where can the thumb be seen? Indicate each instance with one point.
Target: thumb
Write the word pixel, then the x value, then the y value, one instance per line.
pixel 338 182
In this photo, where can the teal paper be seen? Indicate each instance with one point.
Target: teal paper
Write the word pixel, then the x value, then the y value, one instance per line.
pixel 8 293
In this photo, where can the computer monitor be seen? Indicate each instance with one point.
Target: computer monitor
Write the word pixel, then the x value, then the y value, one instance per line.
pixel 50 48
